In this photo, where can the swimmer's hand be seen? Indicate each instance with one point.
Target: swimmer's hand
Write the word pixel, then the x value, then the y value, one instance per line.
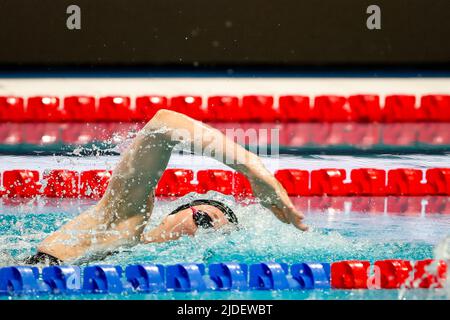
pixel 273 196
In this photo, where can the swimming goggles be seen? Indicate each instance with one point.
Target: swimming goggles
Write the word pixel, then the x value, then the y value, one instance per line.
pixel 201 218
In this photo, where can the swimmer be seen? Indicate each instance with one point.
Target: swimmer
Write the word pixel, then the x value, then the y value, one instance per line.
pixel 120 216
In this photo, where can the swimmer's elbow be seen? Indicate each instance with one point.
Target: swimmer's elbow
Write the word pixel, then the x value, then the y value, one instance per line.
pixel 164 115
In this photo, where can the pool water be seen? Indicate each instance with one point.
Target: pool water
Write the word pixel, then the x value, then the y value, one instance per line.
pixel 334 236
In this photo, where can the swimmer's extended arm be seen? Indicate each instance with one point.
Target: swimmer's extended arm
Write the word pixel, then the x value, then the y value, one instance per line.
pixel 203 139
pixel 119 218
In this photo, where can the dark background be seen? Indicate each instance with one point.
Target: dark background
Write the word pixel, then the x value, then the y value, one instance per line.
pixel 225 33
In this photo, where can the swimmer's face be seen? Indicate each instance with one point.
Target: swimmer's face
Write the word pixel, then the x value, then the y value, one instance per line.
pixel 215 217
pixel 182 223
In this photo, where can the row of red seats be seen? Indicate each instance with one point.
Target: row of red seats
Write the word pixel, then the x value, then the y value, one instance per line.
pixel 289 134
pixel 178 182
pixel 259 108
pixel 388 274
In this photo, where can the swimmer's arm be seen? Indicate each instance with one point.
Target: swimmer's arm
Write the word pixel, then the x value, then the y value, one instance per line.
pixel 208 141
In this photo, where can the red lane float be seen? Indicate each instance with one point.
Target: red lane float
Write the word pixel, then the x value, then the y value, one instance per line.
pixel 368 182
pixel 189 105
pixel 406 182
pixel 366 107
pixel 221 108
pixel 147 106
pixel 223 181
pixel 61 184
pixel 242 187
pixel 438 180
pixel 215 180
pixel 328 182
pixel 430 274
pixel 402 183
pixel 93 183
pixel 388 274
pixel 21 183
pixel 434 107
pixel 332 109
pixel 260 108
pixel 114 108
pixel 175 182
pixel 12 109
pixel 79 109
pixel 349 274
pixel 296 182
pixel 294 108
pixel 399 108
pixel 393 273
pixel 44 109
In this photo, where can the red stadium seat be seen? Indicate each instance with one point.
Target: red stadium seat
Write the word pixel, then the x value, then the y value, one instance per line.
pixel 438 180
pixel 114 108
pixel 365 107
pixel 405 182
pixel 434 107
pixel 175 182
pixel 61 184
pixel 217 180
pixel 295 108
pixel 349 274
pixel 45 109
pixel 222 108
pixel 147 106
pixel 21 183
pixel 93 183
pixel 394 273
pixel 399 108
pixel 329 108
pixel 258 108
pixel 79 109
pixel 368 182
pixel 296 182
pixel 188 105
pixel 12 109
pixel 430 273
pixel 328 182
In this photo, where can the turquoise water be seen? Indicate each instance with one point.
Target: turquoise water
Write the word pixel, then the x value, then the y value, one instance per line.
pixel 334 236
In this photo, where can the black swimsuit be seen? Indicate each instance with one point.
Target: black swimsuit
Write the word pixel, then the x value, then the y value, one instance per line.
pixel 42 258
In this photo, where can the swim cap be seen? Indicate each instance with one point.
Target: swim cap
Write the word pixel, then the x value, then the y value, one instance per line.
pixel 229 214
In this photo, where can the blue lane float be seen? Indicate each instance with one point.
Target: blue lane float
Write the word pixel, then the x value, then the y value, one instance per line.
pixel 146 278
pixel 104 279
pixel 21 280
pixel 229 276
pixel 183 277
pixel 62 279
pixel 312 275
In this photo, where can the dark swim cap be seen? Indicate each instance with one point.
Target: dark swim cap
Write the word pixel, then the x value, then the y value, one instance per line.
pixel 219 205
